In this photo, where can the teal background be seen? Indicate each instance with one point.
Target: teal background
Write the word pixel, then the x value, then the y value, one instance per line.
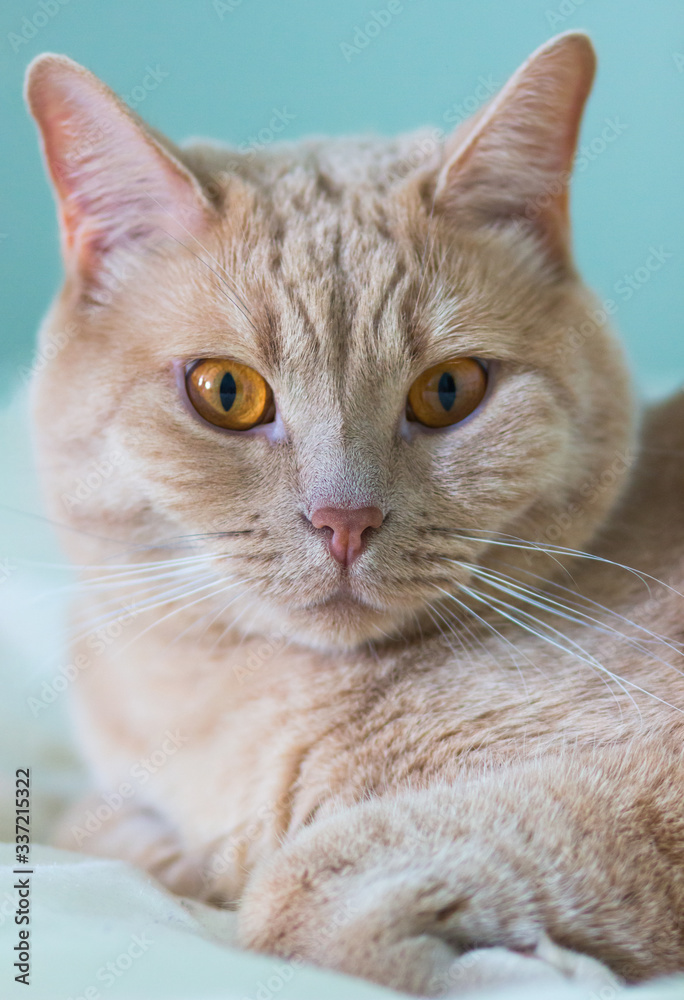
pixel 229 68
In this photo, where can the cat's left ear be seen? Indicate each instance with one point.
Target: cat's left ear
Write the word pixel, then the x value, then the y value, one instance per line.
pixel 513 160
pixel 117 184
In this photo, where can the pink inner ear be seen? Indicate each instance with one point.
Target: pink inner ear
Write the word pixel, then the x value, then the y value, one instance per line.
pixel 115 184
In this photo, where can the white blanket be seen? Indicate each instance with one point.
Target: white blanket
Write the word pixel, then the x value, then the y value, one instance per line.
pixel 100 929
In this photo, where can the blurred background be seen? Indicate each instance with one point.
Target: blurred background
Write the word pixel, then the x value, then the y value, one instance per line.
pixel 222 68
pixel 226 69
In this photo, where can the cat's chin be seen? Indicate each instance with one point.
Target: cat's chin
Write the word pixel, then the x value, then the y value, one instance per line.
pixel 342 622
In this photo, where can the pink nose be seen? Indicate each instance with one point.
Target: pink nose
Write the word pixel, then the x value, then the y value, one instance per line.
pixel 348 527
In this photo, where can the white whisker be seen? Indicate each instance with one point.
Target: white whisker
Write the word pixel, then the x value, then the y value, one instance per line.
pixel 578 651
pixel 579 597
pixel 498 635
pixel 183 607
pixel 148 604
pixel 554 550
pixel 137 580
pixel 546 603
pixel 430 608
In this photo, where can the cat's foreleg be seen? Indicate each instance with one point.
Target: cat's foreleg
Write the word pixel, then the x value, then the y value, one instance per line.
pixel 564 863
pixel 134 832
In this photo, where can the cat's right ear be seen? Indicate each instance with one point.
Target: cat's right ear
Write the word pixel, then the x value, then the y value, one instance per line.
pixel 116 185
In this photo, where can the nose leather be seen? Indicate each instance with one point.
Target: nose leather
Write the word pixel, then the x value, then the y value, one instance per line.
pixel 347 526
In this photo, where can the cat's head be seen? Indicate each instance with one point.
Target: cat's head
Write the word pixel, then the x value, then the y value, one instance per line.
pixel 351 369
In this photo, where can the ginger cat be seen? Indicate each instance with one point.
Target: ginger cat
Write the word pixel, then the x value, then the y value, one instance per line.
pixel 375 492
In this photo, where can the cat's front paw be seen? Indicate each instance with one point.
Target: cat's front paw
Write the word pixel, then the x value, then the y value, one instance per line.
pixel 487 968
pixel 365 894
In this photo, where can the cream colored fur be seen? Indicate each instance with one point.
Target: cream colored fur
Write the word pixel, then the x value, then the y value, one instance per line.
pixel 405 770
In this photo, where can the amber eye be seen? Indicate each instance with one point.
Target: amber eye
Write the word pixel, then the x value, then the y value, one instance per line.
pixel 447 393
pixel 229 394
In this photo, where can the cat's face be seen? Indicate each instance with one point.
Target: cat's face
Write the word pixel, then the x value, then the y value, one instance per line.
pixel 339 273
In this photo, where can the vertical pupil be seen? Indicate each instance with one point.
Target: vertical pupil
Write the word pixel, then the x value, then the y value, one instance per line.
pixel 446 390
pixel 227 391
